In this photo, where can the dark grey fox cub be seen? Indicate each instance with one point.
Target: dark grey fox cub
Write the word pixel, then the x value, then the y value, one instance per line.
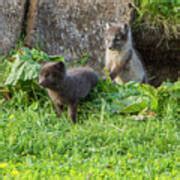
pixel 66 87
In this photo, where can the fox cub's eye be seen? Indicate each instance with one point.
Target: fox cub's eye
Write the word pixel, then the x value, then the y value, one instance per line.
pixel 53 75
pixel 46 75
pixel 117 38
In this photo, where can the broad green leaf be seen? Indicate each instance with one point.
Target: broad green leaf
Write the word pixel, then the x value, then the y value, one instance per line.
pixel 133 104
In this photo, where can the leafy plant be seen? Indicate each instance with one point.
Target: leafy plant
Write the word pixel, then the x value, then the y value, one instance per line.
pixel 22 69
pixel 131 98
pixel 161 16
pixel 25 65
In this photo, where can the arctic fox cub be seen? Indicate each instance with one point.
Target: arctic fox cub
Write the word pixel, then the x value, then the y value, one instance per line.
pixel 121 59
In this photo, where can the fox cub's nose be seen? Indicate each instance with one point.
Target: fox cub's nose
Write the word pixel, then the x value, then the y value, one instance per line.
pixel 41 82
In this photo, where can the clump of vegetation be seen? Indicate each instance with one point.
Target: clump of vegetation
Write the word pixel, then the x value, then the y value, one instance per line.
pixel 159 16
pixel 20 71
pixel 106 143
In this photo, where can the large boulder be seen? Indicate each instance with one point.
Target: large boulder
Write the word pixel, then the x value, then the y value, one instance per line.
pixel 11 19
pixel 73 28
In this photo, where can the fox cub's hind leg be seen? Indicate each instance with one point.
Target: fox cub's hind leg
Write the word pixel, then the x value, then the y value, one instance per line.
pixel 72 111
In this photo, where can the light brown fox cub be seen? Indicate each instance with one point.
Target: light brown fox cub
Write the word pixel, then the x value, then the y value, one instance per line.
pixel 121 59
pixel 66 87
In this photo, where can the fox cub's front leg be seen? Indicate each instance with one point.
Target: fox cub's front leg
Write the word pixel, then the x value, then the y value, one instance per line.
pixel 59 108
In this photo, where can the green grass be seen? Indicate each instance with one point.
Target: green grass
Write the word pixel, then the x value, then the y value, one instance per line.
pixel 35 144
pixel 161 16
pixel 107 142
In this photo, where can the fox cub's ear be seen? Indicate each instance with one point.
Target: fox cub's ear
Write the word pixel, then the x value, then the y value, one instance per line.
pixel 107 25
pixel 60 66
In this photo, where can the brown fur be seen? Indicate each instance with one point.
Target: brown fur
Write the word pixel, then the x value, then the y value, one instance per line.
pixel 122 60
pixel 67 87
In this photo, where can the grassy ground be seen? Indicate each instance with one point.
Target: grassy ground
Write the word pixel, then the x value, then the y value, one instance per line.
pixel 35 144
pixel 104 144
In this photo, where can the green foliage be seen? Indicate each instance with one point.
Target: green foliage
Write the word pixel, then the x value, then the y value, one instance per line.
pixel 162 16
pixel 21 70
pixel 133 97
pixel 79 62
pixel 106 143
pixel 25 65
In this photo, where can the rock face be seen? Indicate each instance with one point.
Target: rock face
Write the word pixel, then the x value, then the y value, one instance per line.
pixel 73 28
pixel 11 18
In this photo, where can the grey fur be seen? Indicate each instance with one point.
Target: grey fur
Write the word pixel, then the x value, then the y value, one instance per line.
pixel 122 60
pixel 67 87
